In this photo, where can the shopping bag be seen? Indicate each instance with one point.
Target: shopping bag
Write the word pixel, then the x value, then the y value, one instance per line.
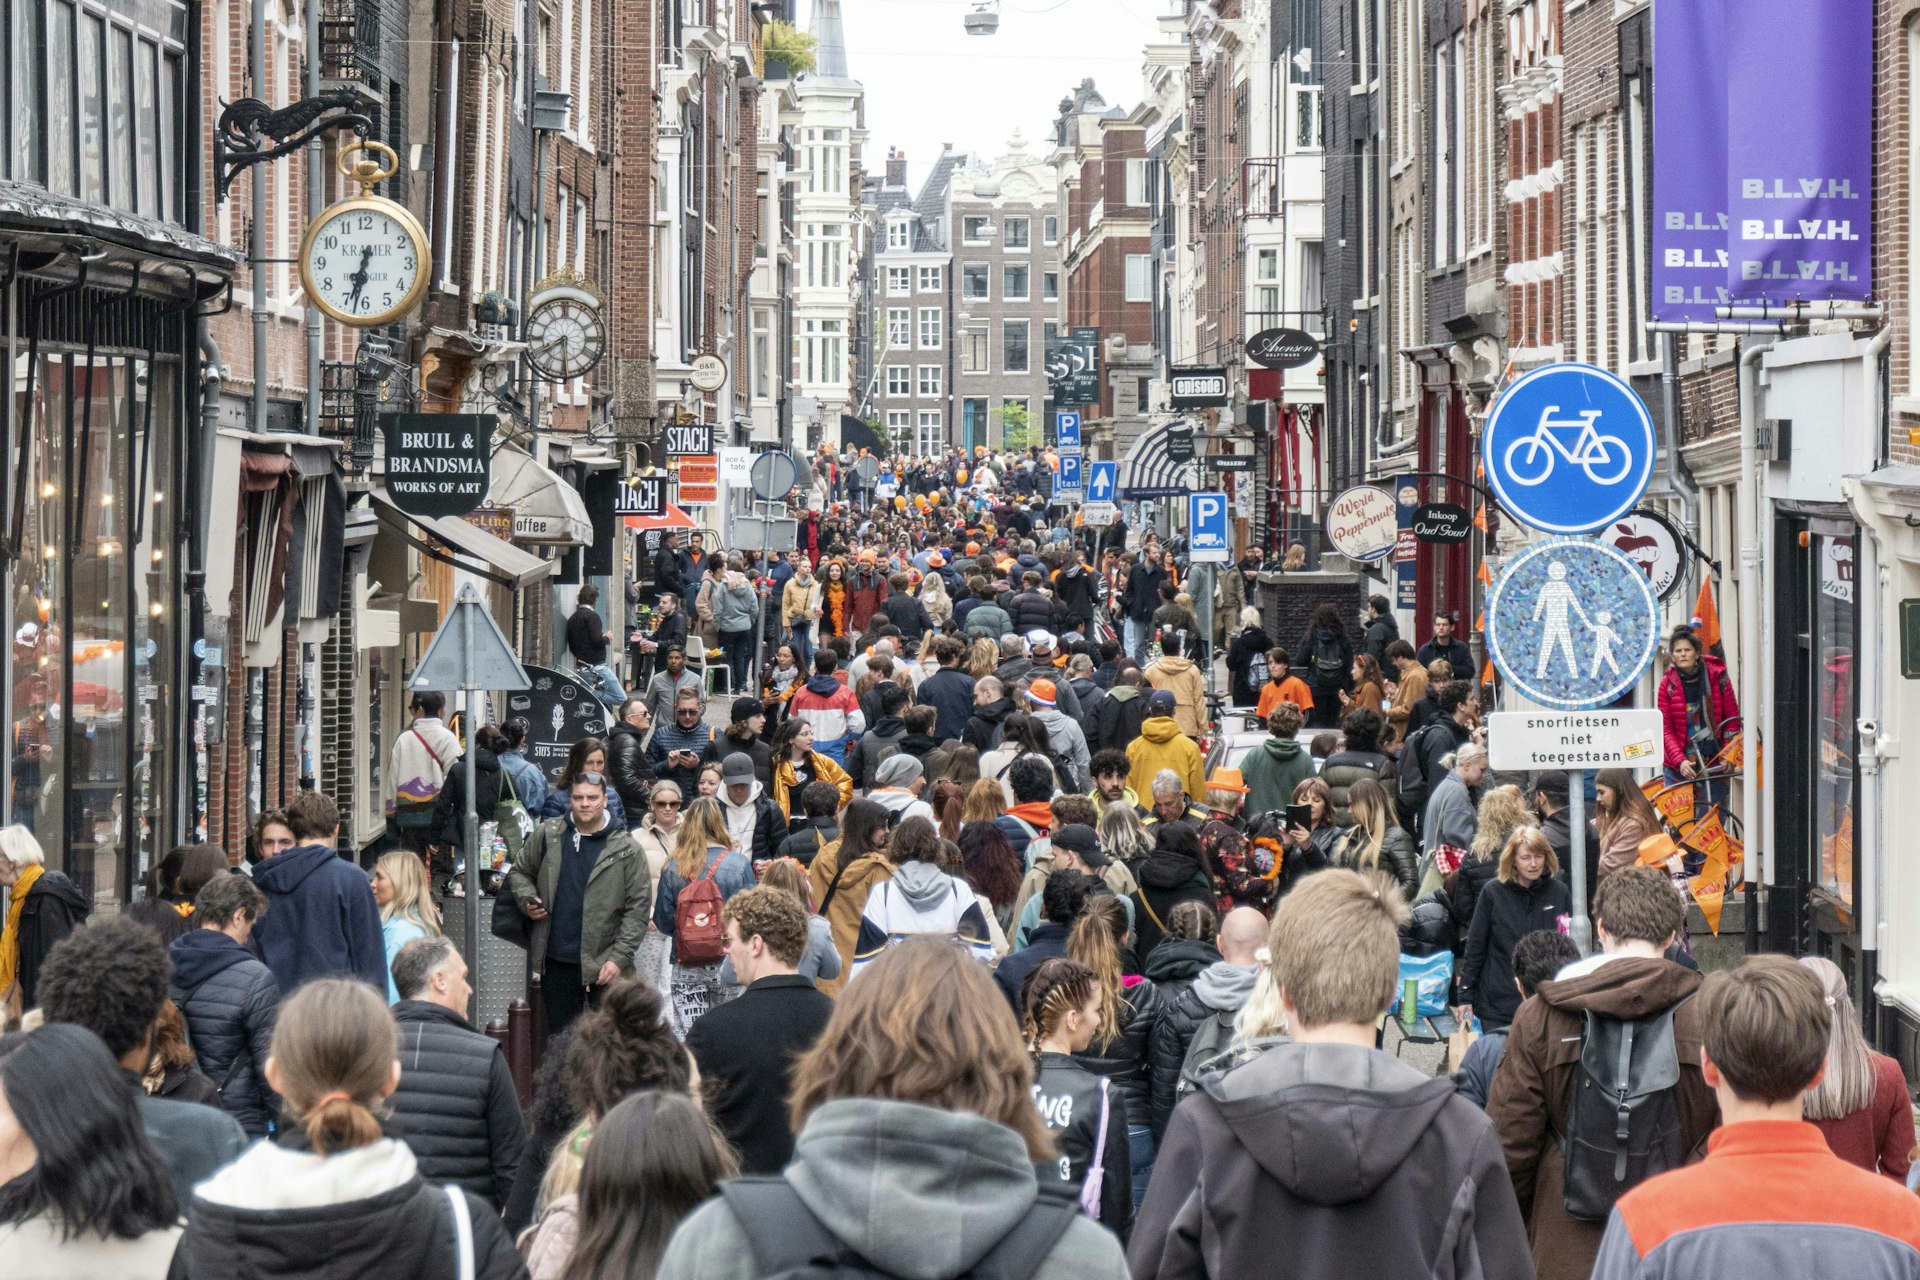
pixel 1432 976
pixel 1457 1045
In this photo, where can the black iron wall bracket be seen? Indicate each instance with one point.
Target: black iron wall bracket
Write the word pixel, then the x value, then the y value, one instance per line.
pixel 250 132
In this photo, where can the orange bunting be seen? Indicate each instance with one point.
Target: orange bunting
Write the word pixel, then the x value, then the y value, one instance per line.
pixel 1674 803
pixel 1709 837
pixel 1734 754
pixel 1480 518
pixel 1707 626
pixel 1709 889
pixel 1480 623
pixel 1486 672
pixel 1486 574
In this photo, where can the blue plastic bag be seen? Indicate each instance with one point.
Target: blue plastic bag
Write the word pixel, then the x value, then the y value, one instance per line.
pixel 1434 974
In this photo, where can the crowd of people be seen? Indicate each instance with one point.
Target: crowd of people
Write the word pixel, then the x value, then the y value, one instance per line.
pixel 949 954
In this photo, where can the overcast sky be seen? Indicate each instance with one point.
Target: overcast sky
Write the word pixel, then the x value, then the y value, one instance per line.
pixel 928 82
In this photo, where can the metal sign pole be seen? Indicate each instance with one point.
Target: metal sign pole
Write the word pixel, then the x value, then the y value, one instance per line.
pixel 1577 852
pixel 470 831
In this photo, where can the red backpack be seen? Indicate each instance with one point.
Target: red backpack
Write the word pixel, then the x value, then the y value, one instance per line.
pixel 699 937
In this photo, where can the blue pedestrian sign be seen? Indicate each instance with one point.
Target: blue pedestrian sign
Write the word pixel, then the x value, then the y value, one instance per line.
pixel 1067 483
pixel 1571 623
pixel 1067 430
pixel 1568 448
pixel 1103 481
pixel 1207 529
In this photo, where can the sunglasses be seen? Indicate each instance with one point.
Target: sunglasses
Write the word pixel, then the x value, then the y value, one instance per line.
pixel 666 804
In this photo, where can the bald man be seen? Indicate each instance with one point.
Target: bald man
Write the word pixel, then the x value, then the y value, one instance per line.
pixel 1218 992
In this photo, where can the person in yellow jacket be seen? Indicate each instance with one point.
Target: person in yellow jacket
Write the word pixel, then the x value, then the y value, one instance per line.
pixel 1162 745
pixel 1177 674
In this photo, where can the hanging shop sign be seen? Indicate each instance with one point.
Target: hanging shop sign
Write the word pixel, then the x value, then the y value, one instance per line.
pixel 1201 387
pixel 1073 367
pixel 1362 523
pixel 709 373
pixel 437 463
pixel 1283 348
pixel 1653 544
pixel 687 439
pixel 1180 443
pixel 1442 522
pixel 1230 462
pixel 497 521
pixel 699 481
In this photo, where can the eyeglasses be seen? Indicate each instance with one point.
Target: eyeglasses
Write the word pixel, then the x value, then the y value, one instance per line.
pixel 666 804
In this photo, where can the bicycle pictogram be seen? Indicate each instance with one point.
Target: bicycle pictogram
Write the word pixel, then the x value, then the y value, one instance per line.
pixel 1591 451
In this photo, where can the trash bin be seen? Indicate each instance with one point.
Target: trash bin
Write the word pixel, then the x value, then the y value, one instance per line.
pixel 499 973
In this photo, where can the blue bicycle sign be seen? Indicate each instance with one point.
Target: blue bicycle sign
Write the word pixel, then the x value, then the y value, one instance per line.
pixel 1568 448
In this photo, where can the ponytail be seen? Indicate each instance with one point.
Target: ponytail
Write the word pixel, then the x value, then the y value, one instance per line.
pixel 1095 943
pixel 334 1047
pixel 338 1123
pixel 1054 988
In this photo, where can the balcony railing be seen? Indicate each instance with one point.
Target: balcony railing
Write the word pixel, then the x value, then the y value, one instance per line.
pixel 349 43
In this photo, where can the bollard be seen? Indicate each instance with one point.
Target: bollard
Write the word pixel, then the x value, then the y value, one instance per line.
pixel 516 1041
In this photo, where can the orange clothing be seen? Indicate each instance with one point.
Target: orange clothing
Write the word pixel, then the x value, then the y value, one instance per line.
pixel 1293 689
pixel 1372 697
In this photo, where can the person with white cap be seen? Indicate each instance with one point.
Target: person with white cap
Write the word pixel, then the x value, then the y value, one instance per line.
pixel 754 821
pixel 1064 735
pixel 900 779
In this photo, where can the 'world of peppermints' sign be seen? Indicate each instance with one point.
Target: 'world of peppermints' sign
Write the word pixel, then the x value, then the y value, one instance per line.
pixel 437 463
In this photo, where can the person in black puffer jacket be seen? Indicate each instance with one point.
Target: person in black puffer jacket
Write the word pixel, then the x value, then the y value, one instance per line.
pixel 229 999
pixel 1524 898
pixel 1186 951
pixel 1099 941
pixel 1030 609
pixel 456 1107
pixel 632 774
pixel 1220 988
pixel 1359 759
pixel 1074 589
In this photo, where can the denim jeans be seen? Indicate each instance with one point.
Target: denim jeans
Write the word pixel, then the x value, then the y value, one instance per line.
pixel 1140 1156
pixel 739 648
pixel 1137 633
pixel 801 637
pixel 606 686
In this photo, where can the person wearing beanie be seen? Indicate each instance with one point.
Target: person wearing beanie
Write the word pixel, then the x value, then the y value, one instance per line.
pixel 747 734
pixel 1064 734
pixel 899 780
pixel 1162 745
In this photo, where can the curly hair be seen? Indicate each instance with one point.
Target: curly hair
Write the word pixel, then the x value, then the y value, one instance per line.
pixel 774 916
pixel 109 977
pixel 622 1046
pixel 1503 810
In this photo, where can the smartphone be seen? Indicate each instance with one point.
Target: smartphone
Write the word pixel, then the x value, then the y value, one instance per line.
pixel 1300 815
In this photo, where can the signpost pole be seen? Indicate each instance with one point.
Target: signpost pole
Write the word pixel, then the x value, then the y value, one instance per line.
pixel 1577 854
pixel 470 823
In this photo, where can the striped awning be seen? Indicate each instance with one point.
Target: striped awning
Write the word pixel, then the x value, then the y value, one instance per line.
pixel 1147 471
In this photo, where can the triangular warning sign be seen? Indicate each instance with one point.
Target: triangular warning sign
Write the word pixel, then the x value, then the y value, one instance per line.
pixel 469 652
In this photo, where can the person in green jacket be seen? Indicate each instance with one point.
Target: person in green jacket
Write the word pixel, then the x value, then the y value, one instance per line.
pixel 1274 768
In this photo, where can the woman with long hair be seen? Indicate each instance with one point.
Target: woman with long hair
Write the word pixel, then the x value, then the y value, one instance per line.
pixel 1861 1102
pixel 1311 847
pixel 844 872
pixel 587 755
pixel 175 883
pixel 1064 1005
pixel 985 801
pixel 1524 897
pixel 833 600
pixel 650 1162
pixel 1369 686
pixel 623 1046
pixel 920 1079
pixel 990 865
pixel 796 763
pixel 1130 1008
pixel 983 655
pixel 406 906
pixel 1624 817
pixel 1377 841
pixel 703 851
pixel 1022 735
pixel 935 600
pixel 1123 837
pixel 83 1193
pixel 961 771
pixel 1502 811
pixel 342 1198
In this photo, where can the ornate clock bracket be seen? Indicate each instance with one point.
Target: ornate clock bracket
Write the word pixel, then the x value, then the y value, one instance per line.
pixel 242 137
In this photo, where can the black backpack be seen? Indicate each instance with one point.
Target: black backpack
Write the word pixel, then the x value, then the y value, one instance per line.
pixel 789 1243
pixel 1623 1120
pixel 1410 775
pixel 1329 658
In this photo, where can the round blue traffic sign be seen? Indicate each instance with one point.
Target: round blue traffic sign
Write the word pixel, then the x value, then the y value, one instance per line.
pixel 1571 623
pixel 1568 448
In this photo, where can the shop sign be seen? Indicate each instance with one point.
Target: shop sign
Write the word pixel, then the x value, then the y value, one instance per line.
pixel 1179 444
pixel 498 521
pixel 1442 522
pixel 1201 387
pixel 688 439
pixel 699 481
pixel 437 463
pixel 559 711
pixel 1073 367
pixel 1362 524
pixel 1836 569
pixel 1230 462
pixel 1650 542
pixel 1283 348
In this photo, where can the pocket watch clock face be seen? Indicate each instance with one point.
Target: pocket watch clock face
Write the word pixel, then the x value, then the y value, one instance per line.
pixel 364 262
pixel 565 337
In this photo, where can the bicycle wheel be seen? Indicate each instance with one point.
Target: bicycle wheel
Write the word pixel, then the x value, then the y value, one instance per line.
pixel 1594 460
pixel 1538 464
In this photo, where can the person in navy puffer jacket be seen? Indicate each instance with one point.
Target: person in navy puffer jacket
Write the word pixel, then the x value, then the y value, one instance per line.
pixel 229 999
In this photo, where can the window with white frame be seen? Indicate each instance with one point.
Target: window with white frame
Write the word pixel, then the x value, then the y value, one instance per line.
pixel 1313 287
pixel 762 355
pixel 975 283
pixel 1050 286
pixel 973 228
pixel 1016 355
pixel 899 327
pixel 1139 277
pixel 832 361
pixel 1265 296
pixel 929 380
pixel 899 381
pixel 900 428
pixel 932 435
pixel 899 281
pixel 1050 230
pixel 1019 234
pixel 1016 282
pixel 929 280
pixel 1457 198
pixel 930 326
pixel 1137 191
pixel 899 234
pixel 975 350
pixel 1444 219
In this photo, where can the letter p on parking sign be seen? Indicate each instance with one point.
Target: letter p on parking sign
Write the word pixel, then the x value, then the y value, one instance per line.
pixel 1207 528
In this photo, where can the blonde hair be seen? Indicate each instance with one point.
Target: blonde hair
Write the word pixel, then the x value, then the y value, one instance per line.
pixel 1096 939
pixel 1335 944
pixel 790 878
pixel 1503 811
pixel 1123 837
pixel 18 846
pixel 412 892
pixel 983 655
pixel 702 826
pixel 1467 753
pixel 1526 838
pixel 563 1169
pixel 984 801
pixel 1373 817
pixel 1847 1085
pixel 334 1050
pixel 1261 1017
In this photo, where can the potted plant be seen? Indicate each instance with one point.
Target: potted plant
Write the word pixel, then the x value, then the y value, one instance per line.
pixel 787 50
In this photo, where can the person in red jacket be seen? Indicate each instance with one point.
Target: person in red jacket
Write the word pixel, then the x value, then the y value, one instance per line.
pixel 1699 714
pixel 866 589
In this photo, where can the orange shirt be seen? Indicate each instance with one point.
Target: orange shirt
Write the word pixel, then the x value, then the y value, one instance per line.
pixel 1293 689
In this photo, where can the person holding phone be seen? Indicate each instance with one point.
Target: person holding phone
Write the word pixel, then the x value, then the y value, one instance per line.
pixel 1311 835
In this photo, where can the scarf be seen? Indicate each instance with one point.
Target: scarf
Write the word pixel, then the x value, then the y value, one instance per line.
pixel 10 936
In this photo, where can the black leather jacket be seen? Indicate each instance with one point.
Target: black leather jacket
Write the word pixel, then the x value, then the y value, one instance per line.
pixel 627 762
pixel 1124 1058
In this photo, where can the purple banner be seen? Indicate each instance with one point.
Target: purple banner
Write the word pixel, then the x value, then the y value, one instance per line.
pixel 1799 149
pixel 1690 225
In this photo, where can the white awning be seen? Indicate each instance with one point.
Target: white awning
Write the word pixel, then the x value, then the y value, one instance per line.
pixel 474 548
pixel 547 511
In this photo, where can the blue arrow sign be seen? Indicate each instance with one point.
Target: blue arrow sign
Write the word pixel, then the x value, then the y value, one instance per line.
pixel 1067 430
pixel 1069 480
pixel 1207 529
pixel 1568 448
pixel 1571 623
pixel 1103 479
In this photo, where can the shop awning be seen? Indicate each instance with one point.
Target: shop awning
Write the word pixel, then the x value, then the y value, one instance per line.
pixel 474 549
pixel 672 518
pixel 547 511
pixel 1148 472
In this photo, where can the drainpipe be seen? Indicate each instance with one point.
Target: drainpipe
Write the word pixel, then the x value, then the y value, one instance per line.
pixel 1679 475
pixel 1751 512
pixel 1873 714
pixel 316 179
pixel 257 234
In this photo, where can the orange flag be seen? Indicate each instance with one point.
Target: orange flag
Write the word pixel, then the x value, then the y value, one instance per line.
pixel 1706 618
pixel 1709 889
pixel 1709 837
pixel 1480 623
pixel 1486 672
pixel 1674 803
pixel 1480 517
pixel 1733 755
pixel 1486 574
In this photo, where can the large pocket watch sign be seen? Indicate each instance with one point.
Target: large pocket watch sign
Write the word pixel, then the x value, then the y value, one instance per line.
pixel 437 463
pixel 365 260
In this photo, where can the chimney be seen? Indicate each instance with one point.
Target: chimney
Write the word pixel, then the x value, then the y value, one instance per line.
pixel 896 168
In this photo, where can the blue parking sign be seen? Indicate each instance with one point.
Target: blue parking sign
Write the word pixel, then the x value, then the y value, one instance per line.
pixel 1069 478
pixel 1207 528
pixel 1067 431
pixel 1568 448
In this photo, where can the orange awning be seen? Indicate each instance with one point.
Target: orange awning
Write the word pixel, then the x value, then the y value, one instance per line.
pixel 673 518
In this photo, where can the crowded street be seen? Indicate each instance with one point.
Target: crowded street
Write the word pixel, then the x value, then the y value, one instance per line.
pixel 959 640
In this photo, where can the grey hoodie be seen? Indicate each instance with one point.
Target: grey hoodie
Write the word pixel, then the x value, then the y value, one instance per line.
pixel 1226 986
pixel 919 1192
pixel 1339 1158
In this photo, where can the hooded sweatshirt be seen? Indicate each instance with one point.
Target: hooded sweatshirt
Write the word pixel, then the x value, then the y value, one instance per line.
pixel 1182 679
pixel 1119 718
pixel 1069 743
pixel 834 713
pixel 920 1192
pixel 755 827
pixel 983 729
pixel 321 920
pixel 1271 771
pixel 1161 745
pixel 920 899
pixel 1339 1159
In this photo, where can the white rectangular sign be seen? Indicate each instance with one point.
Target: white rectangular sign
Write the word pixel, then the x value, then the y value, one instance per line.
pixel 736 468
pixel 1529 740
